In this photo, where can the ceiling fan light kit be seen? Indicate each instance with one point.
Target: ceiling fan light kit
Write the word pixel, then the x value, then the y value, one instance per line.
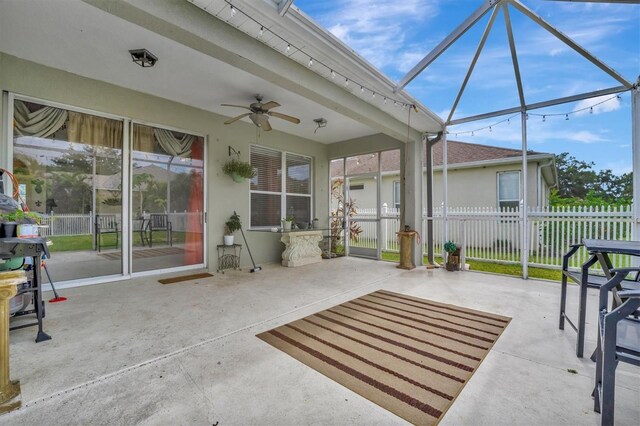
pixel 260 113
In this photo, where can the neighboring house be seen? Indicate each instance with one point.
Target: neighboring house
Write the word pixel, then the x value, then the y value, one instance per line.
pixel 478 176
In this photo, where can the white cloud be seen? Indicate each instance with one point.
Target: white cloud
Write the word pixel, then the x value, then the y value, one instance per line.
pixel 600 104
pixel 378 29
pixel 584 136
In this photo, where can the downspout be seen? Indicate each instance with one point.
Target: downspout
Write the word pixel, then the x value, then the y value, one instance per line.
pixel 429 173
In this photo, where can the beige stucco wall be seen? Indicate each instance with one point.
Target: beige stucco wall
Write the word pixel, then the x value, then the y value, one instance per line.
pixel 478 187
pixel 473 187
pixel 223 195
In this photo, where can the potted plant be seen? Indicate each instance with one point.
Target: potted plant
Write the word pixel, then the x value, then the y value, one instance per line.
pixel 9 222
pixel 453 256
pixel 287 223
pixel 316 223
pixel 231 226
pixel 238 170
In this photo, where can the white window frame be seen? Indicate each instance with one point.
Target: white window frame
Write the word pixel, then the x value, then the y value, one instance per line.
pixel 283 185
pixel 517 200
pixel 397 195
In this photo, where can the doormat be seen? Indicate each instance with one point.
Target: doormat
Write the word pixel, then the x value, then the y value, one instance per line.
pixel 184 278
pixel 144 253
pixel 410 356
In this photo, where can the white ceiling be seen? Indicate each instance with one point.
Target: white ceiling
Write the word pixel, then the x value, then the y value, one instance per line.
pixel 79 38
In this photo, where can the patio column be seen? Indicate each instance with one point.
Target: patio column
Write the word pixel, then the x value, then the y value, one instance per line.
pixel 412 195
pixel 635 148
pixel 9 390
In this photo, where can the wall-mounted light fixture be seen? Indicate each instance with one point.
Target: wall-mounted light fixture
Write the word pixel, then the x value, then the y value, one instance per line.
pixel 321 122
pixel 143 57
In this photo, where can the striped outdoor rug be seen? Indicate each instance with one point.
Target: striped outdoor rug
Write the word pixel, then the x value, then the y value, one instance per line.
pixel 411 356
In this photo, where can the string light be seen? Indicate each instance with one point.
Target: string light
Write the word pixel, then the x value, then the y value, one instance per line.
pixel 373 95
pixel 544 117
pixel 233 11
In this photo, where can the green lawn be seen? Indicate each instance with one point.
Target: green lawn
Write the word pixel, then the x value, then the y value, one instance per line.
pixel 493 267
pixel 108 241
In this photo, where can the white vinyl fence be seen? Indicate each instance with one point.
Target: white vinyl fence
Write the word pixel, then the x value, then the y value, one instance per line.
pixel 82 224
pixel 486 233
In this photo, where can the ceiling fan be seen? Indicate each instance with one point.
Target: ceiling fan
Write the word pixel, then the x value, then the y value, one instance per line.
pixel 260 113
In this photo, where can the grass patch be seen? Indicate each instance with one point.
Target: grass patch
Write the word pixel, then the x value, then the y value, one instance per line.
pixel 493 267
pixel 108 241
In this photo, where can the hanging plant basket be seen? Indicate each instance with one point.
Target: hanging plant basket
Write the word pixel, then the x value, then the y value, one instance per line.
pixel 237 178
pixel 238 170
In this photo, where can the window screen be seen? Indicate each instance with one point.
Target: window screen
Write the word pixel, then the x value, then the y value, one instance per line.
pixel 509 190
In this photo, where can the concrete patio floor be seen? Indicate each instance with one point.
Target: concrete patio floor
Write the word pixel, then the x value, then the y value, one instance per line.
pixel 138 352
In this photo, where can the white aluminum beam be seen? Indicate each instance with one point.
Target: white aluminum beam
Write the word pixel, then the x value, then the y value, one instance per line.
pixel 569 42
pixel 635 149
pixel 514 54
pixel 444 44
pixel 602 1
pixel 524 213
pixel 284 6
pixel 483 39
pixel 538 105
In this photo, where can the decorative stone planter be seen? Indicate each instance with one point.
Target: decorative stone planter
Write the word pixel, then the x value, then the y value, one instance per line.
pixel 228 240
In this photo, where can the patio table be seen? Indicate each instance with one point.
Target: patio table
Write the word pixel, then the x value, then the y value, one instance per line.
pixel 600 251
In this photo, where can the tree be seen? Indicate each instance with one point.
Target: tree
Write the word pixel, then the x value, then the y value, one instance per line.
pixel 579 184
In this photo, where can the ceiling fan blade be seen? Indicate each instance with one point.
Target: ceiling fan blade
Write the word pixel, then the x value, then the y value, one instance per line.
pixel 237 106
pixel 285 117
pixel 269 105
pixel 266 126
pixel 236 118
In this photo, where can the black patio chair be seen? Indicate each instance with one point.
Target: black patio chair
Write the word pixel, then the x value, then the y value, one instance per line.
pixel 618 341
pixel 159 222
pixel 105 224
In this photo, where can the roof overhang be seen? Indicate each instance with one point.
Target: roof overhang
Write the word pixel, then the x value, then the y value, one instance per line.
pixel 204 61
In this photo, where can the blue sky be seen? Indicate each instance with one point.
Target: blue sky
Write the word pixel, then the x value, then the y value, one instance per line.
pixel 395 35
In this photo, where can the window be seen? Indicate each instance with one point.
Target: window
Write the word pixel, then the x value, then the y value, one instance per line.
pixel 275 194
pixel 508 190
pixel 396 194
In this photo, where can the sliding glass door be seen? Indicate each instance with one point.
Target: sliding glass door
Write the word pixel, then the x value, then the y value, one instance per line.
pixel 109 209
pixel 68 166
pixel 167 199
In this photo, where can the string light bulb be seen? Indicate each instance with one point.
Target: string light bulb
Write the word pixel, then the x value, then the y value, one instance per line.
pixel 385 100
pixel 490 130
pixel 346 82
pixel 310 62
pixel 591 110
pixel 544 118
pixel 333 74
pixel 288 49
pixel 373 95
pixel 361 89
pixel 566 116
pixel 261 32
pixel 232 11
